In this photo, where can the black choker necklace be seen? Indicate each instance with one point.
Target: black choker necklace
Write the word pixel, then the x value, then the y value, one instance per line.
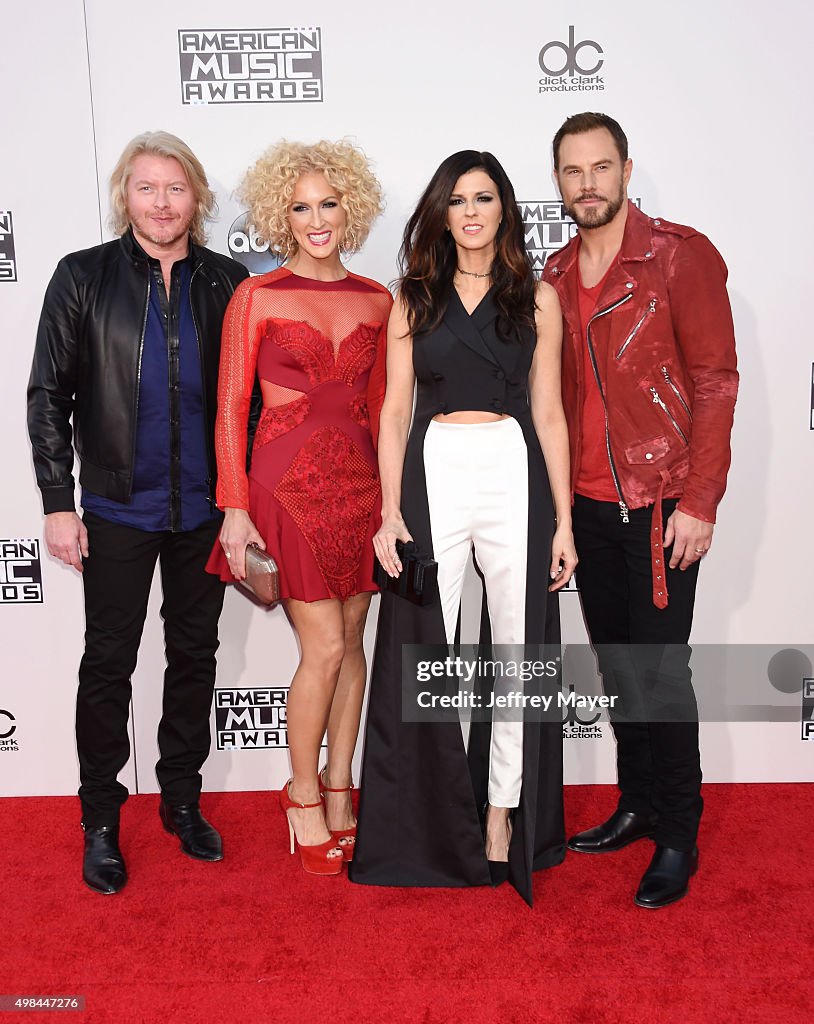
pixel 470 273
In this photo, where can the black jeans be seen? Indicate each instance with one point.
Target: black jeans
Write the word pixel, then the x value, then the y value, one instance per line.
pixel 117 577
pixel 643 654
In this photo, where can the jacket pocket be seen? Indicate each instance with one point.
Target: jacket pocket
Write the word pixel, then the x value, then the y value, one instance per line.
pixel 658 400
pixel 647 453
pixel 638 327
pixel 682 401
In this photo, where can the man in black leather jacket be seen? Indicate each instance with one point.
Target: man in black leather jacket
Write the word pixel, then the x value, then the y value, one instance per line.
pixel 125 371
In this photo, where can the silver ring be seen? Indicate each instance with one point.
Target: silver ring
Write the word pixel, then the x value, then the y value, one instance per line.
pixel 700 551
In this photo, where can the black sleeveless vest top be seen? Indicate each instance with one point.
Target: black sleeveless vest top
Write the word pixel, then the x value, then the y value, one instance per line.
pixel 463 364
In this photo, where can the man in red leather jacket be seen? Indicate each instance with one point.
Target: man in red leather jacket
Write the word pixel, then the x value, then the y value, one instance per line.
pixel 649 386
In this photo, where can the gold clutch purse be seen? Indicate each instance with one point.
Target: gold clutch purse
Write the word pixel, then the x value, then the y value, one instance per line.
pixel 262 575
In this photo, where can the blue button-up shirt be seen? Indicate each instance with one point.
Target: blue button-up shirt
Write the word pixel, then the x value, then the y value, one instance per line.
pixel 171 471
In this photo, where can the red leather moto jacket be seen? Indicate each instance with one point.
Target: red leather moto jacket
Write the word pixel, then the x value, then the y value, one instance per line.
pixel 662 346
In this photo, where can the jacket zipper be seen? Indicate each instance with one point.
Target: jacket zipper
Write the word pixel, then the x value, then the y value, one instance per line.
pixel 138 383
pixel 648 312
pixel 676 392
pixel 173 319
pixel 210 496
pixel 658 400
pixel 624 512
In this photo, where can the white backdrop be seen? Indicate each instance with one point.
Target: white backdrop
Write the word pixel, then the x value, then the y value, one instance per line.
pixel 708 95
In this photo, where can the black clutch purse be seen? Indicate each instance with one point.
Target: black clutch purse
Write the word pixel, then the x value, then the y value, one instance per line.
pixel 418 580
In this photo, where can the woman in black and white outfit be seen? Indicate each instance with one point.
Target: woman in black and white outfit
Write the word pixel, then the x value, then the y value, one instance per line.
pixel 484 465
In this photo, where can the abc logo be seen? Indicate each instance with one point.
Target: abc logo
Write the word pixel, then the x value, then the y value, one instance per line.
pixel 570 57
pixel 250 249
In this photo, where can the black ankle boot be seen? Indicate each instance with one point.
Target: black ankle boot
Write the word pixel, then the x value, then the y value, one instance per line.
pixel 621 829
pixel 667 878
pixel 103 867
pixel 198 838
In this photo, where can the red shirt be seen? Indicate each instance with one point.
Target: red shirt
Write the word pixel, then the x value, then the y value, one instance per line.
pixel 594 479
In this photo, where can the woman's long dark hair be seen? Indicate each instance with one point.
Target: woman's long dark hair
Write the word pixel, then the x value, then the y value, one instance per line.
pixel 428 257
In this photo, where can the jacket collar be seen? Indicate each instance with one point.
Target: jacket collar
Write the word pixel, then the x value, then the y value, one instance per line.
pixel 470 329
pixel 637 248
pixel 637 241
pixel 135 254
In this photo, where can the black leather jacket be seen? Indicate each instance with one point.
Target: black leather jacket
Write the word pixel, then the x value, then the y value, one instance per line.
pixel 87 365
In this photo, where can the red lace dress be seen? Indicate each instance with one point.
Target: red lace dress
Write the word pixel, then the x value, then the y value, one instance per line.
pixel 313 487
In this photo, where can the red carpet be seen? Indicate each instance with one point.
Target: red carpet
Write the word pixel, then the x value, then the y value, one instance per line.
pixel 255 939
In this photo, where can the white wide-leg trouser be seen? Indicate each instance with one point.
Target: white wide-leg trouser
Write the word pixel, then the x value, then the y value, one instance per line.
pixel 477 490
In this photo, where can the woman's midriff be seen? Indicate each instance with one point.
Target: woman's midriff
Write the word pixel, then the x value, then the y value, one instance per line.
pixel 470 416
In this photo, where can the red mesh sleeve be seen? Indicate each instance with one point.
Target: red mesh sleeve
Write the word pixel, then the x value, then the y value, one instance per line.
pixel 238 361
pixel 377 383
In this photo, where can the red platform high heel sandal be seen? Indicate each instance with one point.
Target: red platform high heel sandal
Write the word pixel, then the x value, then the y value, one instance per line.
pixel 346 837
pixel 323 858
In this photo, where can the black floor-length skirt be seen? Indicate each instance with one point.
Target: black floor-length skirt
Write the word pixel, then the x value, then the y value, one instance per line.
pixel 422 792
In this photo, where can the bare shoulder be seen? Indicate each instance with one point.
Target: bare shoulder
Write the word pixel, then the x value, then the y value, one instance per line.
pixel 398 314
pixel 547 312
pixel 398 327
pixel 546 298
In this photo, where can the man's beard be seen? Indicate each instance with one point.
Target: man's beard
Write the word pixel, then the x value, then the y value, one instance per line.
pixel 596 217
pixel 174 236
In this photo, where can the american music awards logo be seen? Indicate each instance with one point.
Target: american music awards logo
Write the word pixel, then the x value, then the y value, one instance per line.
pixel 20 572
pixel 807 711
pixel 547 228
pixel 251 718
pixel 263 65
pixel 8 260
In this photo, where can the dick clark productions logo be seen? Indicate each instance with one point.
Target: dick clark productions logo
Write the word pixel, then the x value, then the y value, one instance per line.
pixel 571 66
pixel 8 726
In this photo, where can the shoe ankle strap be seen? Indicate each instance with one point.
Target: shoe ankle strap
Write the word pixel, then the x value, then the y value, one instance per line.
pixel 329 789
pixel 296 803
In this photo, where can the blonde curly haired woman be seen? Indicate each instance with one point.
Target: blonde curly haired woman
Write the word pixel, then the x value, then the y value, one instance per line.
pixel 313 334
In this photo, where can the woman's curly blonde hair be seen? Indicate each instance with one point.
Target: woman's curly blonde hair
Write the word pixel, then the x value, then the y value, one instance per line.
pixel 269 185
